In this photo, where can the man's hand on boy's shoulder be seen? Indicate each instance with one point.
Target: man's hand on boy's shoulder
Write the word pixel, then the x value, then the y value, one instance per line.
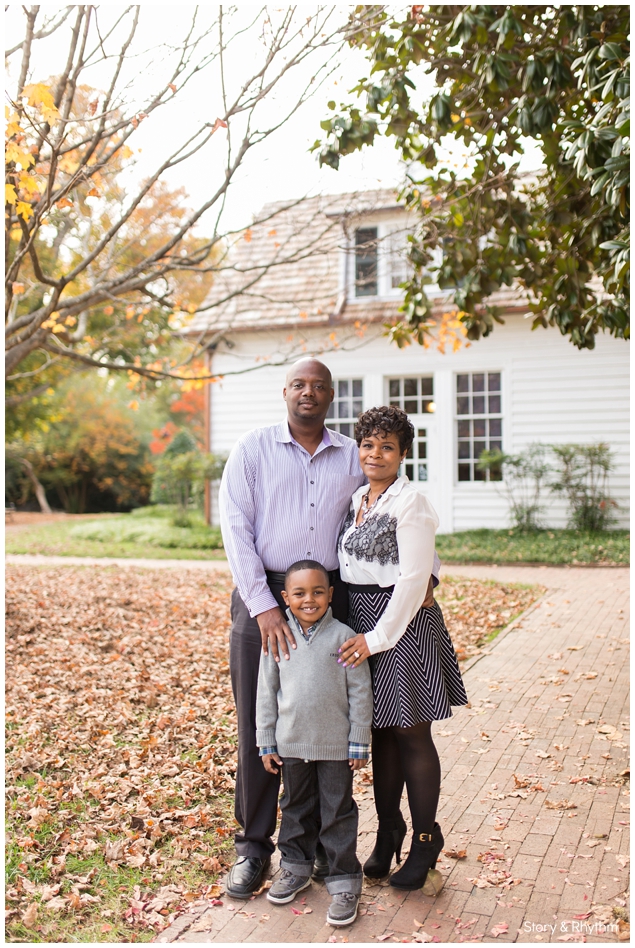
pixel 269 762
pixel 356 763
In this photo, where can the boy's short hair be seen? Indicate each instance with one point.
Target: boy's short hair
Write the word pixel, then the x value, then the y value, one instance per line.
pixel 306 564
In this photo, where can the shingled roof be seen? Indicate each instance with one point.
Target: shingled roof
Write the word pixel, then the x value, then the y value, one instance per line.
pixel 285 270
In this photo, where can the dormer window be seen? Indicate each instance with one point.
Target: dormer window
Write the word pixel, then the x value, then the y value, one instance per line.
pixel 380 260
pixel 366 260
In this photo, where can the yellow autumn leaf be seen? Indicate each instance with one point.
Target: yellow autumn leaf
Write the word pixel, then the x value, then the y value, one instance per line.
pixel 133 405
pixel 57 328
pixel 19 155
pixel 28 183
pixel 10 197
pixel 130 311
pixel 39 95
pixel 70 321
pixel 126 152
pixel 24 210
pixel 17 289
pixel 13 126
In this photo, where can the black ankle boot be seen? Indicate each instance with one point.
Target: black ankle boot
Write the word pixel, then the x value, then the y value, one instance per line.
pixel 422 857
pixel 390 836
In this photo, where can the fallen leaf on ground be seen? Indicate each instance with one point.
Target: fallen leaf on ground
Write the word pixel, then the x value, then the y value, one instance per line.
pixel 455 853
pixel 501 929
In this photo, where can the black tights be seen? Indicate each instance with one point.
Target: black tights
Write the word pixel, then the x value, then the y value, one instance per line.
pixel 406 754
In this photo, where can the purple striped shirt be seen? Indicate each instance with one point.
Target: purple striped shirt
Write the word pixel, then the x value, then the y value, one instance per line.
pixel 278 504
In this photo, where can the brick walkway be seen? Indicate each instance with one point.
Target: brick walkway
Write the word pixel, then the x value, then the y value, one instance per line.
pixel 549 704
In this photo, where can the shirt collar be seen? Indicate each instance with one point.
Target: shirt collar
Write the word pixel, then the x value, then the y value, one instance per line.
pixel 330 439
pixel 395 488
pixel 312 628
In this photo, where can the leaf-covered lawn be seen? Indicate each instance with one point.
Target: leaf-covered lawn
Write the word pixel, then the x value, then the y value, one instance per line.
pixel 559 547
pixel 121 742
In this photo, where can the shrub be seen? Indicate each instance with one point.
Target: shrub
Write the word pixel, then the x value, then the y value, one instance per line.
pixel 180 478
pixel 583 477
pixel 522 481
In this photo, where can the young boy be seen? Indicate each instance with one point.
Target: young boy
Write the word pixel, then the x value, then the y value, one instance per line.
pixel 313 719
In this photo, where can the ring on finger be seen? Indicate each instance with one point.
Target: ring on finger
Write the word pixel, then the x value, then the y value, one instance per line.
pixel 356 654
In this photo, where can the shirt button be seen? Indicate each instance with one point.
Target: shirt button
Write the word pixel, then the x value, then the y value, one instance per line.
pixel 311 482
pixel 308 552
pixel 313 505
pixel 311 528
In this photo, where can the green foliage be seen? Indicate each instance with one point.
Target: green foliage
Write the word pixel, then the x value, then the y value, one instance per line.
pixel 503 75
pixel 181 472
pixel 583 478
pixel 151 530
pixel 557 547
pixel 523 478
pixel 90 454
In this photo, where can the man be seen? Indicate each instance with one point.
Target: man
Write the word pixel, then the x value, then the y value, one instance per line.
pixel 285 492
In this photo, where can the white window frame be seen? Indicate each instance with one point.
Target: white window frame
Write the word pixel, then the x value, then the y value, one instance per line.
pixel 387 228
pixel 420 420
pixel 335 421
pixel 477 417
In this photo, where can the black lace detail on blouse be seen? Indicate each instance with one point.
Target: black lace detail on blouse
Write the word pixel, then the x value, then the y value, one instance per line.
pixel 375 540
pixel 350 516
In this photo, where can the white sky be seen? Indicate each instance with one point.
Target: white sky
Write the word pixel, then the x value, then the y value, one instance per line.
pixel 279 168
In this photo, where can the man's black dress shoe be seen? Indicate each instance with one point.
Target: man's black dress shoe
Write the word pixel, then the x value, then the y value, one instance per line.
pixel 245 876
pixel 320 864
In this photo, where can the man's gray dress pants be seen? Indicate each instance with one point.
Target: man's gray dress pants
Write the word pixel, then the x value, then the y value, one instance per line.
pixel 256 802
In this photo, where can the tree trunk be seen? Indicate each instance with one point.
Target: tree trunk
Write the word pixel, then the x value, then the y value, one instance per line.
pixel 37 487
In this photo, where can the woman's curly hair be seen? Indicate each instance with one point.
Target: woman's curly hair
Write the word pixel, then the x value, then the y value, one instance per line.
pixel 386 420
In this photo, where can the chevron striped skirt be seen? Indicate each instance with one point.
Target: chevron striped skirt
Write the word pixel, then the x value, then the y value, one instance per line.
pixel 416 680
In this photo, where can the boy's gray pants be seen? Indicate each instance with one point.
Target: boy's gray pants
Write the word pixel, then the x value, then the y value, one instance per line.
pixel 330 781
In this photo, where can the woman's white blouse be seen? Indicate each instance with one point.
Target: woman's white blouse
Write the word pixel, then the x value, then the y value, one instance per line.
pixel 394 546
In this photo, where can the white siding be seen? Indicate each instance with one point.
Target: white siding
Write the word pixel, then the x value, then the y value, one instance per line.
pixel 551 393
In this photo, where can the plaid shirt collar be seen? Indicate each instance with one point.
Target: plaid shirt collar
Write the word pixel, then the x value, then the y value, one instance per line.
pixel 312 628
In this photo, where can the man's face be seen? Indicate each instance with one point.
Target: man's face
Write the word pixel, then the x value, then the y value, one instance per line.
pixel 308 392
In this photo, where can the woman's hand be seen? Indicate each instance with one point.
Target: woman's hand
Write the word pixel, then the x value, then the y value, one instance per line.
pixel 268 761
pixel 353 652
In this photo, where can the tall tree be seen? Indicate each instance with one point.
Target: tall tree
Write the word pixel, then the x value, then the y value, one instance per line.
pixel 499 76
pixel 103 269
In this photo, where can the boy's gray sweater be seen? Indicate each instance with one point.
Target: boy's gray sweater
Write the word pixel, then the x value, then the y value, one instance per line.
pixel 309 706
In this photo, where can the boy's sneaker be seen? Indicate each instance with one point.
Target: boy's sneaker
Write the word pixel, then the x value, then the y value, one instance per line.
pixel 343 909
pixel 287 887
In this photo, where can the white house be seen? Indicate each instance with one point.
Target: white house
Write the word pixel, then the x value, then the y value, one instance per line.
pixel 321 277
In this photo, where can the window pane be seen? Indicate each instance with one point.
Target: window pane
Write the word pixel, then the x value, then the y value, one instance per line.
pixel 478 383
pixel 495 427
pixel 357 407
pixel 411 406
pixel 409 453
pixel 366 261
pixel 357 388
pixel 423 450
pixel 464 449
pixel 423 472
pixel 426 387
pixel 463 405
pixel 393 388
pixel 410 386
pixel 410 471
pixel 395 401
pixel 479 427
pixel 342 387
pixel 478 403
pixel 496 445
pixel 464 429
pixel 464 472
pixel 494 404
pixel 346 430
pixel 494 381
pixel 478 475
pixel 331 412
pixel 479 447
pixel 421 433
pixel 462 383
pixel 427 406
pixel 495 475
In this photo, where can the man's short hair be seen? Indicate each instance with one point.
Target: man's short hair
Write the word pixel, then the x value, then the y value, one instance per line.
pixel 306 564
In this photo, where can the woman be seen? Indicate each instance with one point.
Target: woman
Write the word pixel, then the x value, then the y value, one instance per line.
pixel 386 551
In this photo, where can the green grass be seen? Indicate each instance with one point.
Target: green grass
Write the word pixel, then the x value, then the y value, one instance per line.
pixel 559 547
pixel 147 533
